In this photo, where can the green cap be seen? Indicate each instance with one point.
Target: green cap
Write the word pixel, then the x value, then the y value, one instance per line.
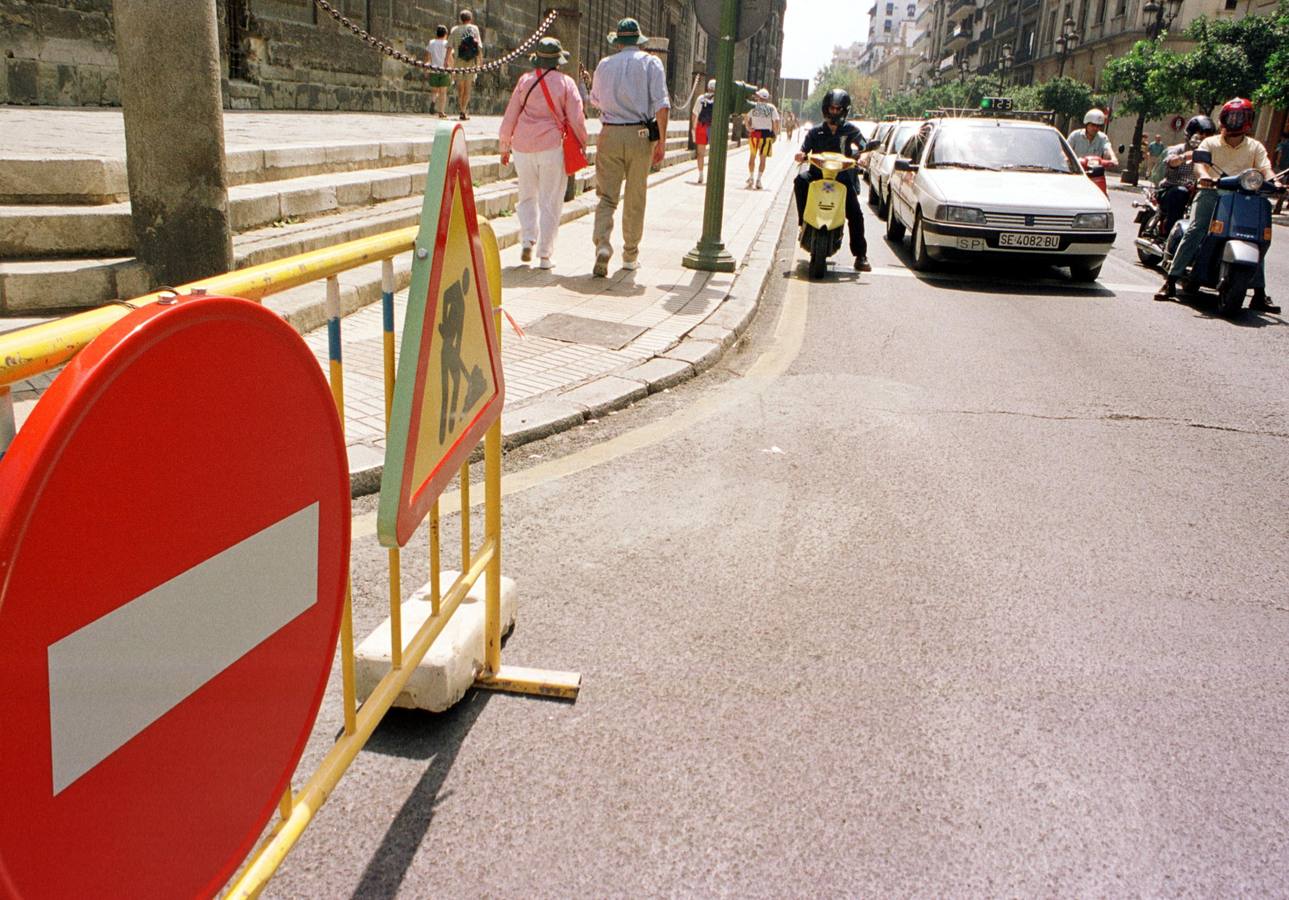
pixel 628 32
pixel 549 54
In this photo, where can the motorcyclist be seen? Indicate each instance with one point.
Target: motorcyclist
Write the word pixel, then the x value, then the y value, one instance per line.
pixel 1091 140
pixel 1177 180
pixel 836 135
pixel 1233 151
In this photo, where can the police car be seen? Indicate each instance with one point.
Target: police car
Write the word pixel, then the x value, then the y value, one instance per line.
pixel 978 186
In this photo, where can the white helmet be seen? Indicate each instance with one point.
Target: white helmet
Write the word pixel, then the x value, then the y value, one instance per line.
pixel 763 94
pixel 1094 117
pixel 711 85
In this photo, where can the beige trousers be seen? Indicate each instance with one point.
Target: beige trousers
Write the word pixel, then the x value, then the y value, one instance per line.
pixel 621 153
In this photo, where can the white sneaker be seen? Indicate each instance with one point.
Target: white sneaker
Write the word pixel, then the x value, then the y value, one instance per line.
pixel 630 265
pixel 758 184
pixel 749 181
pixel 700 179
pixel 545 263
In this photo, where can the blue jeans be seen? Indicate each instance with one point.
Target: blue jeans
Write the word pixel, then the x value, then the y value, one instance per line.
pixel 1201 217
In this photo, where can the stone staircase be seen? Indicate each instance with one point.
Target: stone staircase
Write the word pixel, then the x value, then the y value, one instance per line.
pixel 65 232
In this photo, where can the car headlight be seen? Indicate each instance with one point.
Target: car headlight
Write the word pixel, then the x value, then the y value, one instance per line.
pixel 968 215
pixel 1101 220
pixel 1251 180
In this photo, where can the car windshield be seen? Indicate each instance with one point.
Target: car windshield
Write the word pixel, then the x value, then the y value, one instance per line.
pixel 1012 149
pixel 902 134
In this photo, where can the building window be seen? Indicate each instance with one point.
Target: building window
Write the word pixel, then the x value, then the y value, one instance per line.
pixel 890 9
pixel 886 26
pixel 1230 4
pixel 912 10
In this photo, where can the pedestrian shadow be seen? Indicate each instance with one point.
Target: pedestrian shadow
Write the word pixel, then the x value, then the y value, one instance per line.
pixel 413 734
pixel 681 295
pixel 621 283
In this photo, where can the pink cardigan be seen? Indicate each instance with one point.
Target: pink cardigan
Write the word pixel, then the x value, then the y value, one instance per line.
pixel 537 128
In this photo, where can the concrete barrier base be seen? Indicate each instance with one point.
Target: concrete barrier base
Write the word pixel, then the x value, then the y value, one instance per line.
pixel 453 660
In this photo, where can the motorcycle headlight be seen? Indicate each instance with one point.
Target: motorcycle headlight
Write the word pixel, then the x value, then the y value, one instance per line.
pixel 968 215
pixel 1251 180
pixel 1101 220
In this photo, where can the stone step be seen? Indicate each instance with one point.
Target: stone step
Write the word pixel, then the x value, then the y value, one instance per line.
pixel 38 286
pixel 34 232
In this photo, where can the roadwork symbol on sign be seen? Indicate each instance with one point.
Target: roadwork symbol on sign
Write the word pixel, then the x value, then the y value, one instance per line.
pixel 449 387
pixel 174 546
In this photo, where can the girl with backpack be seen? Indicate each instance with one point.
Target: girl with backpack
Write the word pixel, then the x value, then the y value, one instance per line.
pixel 465 43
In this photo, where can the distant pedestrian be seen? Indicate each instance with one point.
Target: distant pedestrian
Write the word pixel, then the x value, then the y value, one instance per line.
pixel 465 49
pixel 763 124
pixel 436 54
pixel 630 90
pixel 701 123
pixel 533 127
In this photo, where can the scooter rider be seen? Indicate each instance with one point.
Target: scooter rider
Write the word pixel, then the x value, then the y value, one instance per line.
pixel 1174 190
pixel 836 135
pixel 1090 140
pixel 1232 152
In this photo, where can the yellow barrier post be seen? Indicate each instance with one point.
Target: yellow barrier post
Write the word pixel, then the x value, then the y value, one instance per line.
pixel 337 374
pixel 395 561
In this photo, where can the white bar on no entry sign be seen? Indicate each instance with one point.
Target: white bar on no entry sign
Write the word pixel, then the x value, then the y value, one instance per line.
pixel 117 675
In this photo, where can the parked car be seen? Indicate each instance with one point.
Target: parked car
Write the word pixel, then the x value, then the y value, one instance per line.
pixel 882 162
pixel 977 188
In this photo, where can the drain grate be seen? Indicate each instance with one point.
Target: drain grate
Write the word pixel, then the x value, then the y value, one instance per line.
pixel 581 330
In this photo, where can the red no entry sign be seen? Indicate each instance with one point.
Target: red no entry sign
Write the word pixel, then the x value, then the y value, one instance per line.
pixel 174 542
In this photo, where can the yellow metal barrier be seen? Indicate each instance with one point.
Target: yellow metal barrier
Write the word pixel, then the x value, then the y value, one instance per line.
pixel 41 348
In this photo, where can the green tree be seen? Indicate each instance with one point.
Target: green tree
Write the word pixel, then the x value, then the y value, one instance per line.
pixel 1136 78
pixel 1244 57
pixel 849 79
pixel 1069 98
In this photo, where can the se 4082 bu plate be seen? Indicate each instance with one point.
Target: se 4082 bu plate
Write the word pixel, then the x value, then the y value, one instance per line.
pixel 1029 241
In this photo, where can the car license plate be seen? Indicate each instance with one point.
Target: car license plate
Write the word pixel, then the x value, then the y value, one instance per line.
pixel 1029 241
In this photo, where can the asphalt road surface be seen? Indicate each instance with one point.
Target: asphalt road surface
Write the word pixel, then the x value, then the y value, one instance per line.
pixel 959 585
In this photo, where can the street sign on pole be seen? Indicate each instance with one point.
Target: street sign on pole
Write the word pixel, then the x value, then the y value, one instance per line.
pixel 752 16
pixel 174 546
pixel 449 387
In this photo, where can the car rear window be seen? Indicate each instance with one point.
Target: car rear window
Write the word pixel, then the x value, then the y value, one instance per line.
pixel 1002 148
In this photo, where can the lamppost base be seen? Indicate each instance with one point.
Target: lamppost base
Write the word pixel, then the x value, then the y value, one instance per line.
pixel 709 258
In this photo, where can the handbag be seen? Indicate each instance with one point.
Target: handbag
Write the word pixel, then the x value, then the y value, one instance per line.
pixel 574 156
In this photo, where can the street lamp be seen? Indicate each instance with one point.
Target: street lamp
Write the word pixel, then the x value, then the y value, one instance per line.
pixel 1160 16
pixel 964 67
pixel 1065 43
pixel 1004 65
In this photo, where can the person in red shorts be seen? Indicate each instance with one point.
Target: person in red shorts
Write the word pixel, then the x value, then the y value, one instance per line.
pixel 763 123
pixel 701 121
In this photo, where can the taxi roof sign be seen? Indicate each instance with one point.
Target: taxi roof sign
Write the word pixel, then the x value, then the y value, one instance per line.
pixel 449 386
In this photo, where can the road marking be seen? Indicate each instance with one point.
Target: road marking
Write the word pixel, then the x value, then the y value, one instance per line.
pixel 112 678
pixel 789 334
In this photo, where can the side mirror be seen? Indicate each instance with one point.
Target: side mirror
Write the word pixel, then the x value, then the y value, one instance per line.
pixel 1202 156
pixel 905 165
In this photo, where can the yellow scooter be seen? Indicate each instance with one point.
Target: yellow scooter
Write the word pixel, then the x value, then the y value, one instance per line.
pixel 825 211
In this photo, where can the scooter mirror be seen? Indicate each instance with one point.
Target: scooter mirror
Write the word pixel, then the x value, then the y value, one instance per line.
pixel 872 145
pixel 1202 156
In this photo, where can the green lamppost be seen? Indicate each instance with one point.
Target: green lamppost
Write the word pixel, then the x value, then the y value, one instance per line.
pixel 709 254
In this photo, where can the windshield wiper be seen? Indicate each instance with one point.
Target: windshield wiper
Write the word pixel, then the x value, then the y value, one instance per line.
pixel 953 164
pixel 1034 167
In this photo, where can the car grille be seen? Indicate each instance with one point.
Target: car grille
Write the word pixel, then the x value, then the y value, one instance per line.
pixel 1023 220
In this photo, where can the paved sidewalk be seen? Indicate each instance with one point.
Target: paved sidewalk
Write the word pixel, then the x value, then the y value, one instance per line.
pixel 612 340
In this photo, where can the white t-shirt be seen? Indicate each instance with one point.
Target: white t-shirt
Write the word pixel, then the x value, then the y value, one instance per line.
pixel 437 50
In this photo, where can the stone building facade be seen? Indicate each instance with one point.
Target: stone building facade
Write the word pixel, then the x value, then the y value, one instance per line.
pixel 290 54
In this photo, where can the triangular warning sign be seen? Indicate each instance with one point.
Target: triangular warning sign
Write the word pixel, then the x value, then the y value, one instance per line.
pixel 449 386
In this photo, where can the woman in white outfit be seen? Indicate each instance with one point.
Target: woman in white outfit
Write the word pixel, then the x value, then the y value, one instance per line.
pixel 544 103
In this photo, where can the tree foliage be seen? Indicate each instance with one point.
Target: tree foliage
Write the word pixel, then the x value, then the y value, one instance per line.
pixel 1067 97
pixel 848 78
pixel 1136 78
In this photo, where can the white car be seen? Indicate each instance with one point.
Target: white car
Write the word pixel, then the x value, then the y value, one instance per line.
pixel 881 164
pixel 992 187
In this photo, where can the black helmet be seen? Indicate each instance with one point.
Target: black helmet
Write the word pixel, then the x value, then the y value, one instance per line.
pixel 1200 125
pixel 836 97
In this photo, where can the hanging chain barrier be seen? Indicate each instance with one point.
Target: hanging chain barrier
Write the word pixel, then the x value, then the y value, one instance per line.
pixel 392 51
